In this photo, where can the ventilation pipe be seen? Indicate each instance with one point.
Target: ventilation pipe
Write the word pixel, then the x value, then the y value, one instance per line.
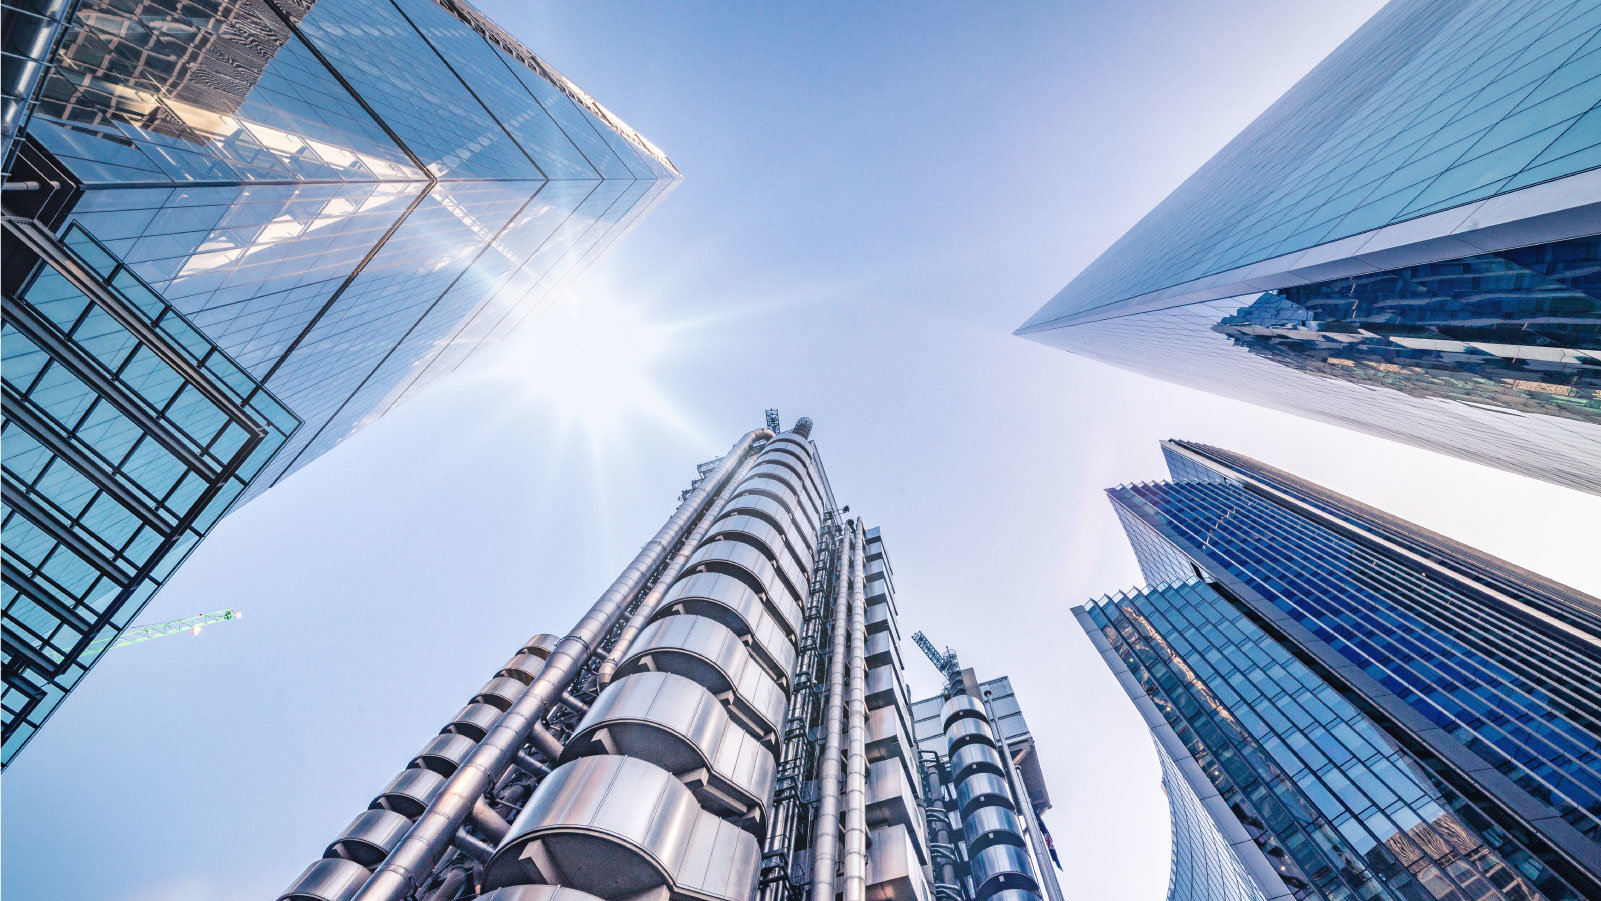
pixel 825 838
pixel 855 888
pixel 406 869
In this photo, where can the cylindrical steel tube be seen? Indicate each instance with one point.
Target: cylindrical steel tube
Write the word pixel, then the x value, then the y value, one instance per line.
pixel 405 869
pixel 1025 807
pixel 647 607
pixel 855 887
pixel 825 837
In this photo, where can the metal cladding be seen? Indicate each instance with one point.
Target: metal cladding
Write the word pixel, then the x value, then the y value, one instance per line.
pixel 727 723
pixel 990 824
pixel 674 760
pixel 442 792
pixel 647 607
pixel 536 893
pixel 726 600
pixel 855 883
pixel 709 653
pixel 681 727
pixel 1000 867
pixel 619 827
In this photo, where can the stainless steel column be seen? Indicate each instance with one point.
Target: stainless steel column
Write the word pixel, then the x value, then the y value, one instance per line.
pixel 855 887
pixel 825 837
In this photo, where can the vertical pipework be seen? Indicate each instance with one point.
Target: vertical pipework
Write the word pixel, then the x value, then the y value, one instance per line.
pixel 941 849
pixel 408 867
pixel 825 838
pixel 1025 807
pixel 647 607
pixel 855 888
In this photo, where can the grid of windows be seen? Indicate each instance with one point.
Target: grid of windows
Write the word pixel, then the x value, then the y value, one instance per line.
pixel 1338 807
pixel 1433 105
pixel 1204 867
pixel 119 456
pixel 1526 701
pixel 1488 675
pixel 1185 462
pixel 346 197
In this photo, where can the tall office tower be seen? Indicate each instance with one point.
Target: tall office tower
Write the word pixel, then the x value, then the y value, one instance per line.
pixel 727 723
pixel 1406 244
pixel 1382 712
pixel 236 231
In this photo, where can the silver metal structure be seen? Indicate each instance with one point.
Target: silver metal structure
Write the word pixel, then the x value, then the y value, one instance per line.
pixel 728 722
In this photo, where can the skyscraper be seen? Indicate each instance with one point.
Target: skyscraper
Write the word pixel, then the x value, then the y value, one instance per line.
pixel 1384 712
pixel 236 231
pixel 1406 243
pixel 727 723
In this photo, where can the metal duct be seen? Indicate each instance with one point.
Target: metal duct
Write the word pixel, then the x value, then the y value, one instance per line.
pixel 676 724
pixel 619 827
pixel 647 607
pixel 855 888
pixel 711 654
pixel 825 837
pixel 986 801
pixel 450 804
pixel 725 599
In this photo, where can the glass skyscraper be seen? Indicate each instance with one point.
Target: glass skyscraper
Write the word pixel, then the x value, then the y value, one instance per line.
pixel 1204 866
pixel 1407 243
pixel 236 231
pixel 1384 712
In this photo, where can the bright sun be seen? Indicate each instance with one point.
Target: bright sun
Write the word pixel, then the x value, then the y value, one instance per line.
pixel 591 360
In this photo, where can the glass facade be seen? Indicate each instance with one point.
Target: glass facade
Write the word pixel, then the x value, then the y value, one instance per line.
pixel 1484 679
pixel 342 199
pixel 127 434
pixel 1204 867
pixel 1340 808
pixel 1403 244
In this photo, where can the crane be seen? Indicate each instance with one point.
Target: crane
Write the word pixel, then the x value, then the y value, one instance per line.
pixel 136 634
pixel 946 663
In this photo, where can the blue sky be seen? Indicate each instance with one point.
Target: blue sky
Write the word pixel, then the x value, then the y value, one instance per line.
pixel 875 196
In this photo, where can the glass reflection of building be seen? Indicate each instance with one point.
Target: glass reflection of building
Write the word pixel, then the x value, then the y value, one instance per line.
pixel 1384 712
pixel 1404 244
pixel 236 232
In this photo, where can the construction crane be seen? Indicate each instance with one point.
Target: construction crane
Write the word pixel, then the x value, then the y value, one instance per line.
pixel 946 663
pixel 136 634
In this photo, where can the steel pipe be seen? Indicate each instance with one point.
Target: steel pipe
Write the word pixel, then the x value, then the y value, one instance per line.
pixel 489 822
pixel 406 869
pixel 647 607
pixel 855 888
pixel 825 835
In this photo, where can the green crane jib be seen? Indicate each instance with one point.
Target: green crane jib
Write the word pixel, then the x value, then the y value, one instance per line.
pixel 946 663
pixel 192 625
pixel 136 634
